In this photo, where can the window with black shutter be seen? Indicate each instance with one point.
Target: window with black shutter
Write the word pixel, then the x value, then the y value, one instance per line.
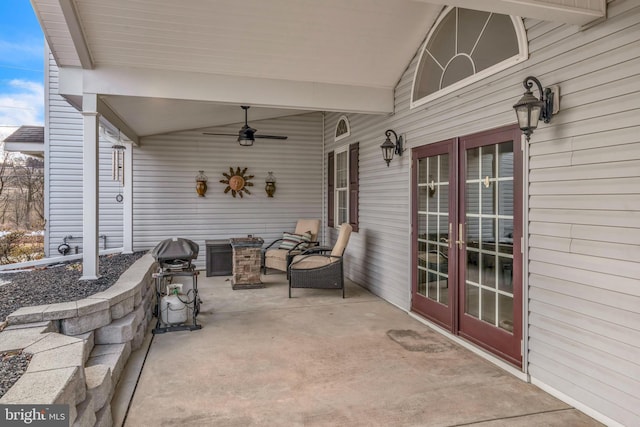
pixel 330 190
pixel 343 186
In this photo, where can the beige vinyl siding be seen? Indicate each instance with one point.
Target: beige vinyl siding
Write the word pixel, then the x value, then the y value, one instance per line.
pixel 166 204
pixel 584 203
pixel 64 180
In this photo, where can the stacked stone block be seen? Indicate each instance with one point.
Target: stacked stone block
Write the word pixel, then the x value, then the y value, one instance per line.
pixel 80 348
pixel 246 266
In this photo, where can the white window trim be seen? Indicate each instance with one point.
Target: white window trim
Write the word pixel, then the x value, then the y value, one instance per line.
pixel 523 55
pixel 336 215
pixel 344 135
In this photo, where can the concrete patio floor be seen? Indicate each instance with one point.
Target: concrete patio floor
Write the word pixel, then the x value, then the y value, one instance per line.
pixel 262 359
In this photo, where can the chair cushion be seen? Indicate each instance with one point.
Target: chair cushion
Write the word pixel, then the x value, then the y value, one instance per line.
pixel 276 259
pixel 290 240
pixel 343 239
pixel 304 262
pixel 280 254
pixel 312 225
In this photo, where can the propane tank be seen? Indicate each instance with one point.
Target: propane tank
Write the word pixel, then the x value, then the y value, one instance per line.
pixel 173 310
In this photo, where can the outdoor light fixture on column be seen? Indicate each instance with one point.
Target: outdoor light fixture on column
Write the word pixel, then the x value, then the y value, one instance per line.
pixel 530 109
pixel 390 148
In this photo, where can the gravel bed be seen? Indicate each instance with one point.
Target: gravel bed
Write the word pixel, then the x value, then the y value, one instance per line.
pixel 12 366
pixel 59 283
pixel 48 285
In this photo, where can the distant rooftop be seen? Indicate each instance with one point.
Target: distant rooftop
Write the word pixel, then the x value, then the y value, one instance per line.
pixel 27 140
pixel 27 134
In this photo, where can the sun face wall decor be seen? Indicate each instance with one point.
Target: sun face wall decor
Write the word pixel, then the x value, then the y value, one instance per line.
pixel 237 182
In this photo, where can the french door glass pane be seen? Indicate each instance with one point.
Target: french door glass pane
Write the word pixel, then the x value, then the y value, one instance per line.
pixel 489 200
pixel 433 228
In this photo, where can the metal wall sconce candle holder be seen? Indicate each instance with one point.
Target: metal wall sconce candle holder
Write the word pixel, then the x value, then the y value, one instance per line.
pixel 201 183
pixel 390 148
pixel 529 109
pixel 270 184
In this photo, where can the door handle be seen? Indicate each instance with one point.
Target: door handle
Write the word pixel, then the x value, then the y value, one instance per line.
pixel 460 240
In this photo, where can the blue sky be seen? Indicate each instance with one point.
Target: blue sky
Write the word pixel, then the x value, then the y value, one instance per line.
pixel 21 65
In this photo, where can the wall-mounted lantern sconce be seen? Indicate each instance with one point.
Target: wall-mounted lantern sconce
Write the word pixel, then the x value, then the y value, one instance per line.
pixel 530 109
pixel 201 183
pixel 270 186
pixel 390 148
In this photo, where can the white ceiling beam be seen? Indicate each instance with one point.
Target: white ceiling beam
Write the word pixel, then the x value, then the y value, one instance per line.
pixel 225 89
pixel 580 13
pixel 70 86
pixel 115 120
pixel 77 36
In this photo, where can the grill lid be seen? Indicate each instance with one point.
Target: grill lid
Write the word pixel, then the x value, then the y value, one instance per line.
pixel 175 249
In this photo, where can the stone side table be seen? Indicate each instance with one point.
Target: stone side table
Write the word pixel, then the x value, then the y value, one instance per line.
pixel 247 253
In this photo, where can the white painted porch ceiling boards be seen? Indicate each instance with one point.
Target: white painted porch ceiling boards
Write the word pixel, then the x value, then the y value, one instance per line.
pixel 165 65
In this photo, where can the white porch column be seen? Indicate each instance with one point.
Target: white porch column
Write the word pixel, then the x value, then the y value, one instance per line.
pixel 90 174
pixel 127 207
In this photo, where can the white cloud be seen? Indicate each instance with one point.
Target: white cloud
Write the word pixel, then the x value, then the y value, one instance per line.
pixel 22 103
pixel 19 52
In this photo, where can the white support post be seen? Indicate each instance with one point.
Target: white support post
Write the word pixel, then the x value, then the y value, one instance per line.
pixel 127 207
pixel 90 174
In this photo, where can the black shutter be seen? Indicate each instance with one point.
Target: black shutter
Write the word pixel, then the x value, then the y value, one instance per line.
pixel 354 184
pixel 331 211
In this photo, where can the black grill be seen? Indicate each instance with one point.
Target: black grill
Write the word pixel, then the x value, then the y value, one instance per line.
pixel 174 257
pixel 176 253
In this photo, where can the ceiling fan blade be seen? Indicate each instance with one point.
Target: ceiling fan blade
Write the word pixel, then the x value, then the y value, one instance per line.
pixel 247 132
pixel 270 136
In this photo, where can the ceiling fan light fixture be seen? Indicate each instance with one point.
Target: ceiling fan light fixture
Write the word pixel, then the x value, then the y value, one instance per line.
pixel 245 142
pixel 245 136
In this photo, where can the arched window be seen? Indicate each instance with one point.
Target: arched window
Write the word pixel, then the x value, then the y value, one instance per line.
pixel 463 47
pixel 343 129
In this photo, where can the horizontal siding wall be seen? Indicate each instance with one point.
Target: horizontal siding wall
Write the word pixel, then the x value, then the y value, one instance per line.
pixel 166 204
pixel 64 183
pixel 584 216
pixel 584 229
pixel 377 256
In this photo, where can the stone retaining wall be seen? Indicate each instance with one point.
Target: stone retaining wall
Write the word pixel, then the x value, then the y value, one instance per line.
pixel 80 348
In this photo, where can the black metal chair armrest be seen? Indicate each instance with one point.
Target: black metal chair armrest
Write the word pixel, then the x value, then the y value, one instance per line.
pixel 273 243
pixel 317 250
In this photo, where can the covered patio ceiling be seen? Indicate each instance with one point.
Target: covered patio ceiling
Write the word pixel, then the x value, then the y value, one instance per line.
pixel 161 66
